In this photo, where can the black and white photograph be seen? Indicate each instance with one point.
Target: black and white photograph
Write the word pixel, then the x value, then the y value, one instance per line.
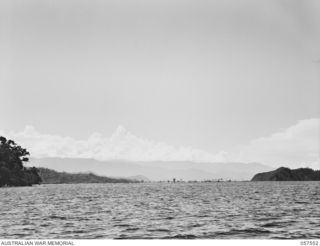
pixel 159 119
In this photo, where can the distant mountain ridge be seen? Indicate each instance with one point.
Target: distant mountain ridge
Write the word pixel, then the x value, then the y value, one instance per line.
pixel 154 170
pixel 287 174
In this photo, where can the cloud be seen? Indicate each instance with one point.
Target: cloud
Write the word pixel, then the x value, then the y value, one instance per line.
pixel 122 145
pixel 294 146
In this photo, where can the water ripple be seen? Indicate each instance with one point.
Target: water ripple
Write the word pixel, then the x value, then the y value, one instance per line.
pixel 257 210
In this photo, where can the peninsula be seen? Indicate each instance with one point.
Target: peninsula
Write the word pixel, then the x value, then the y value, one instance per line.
pixel 50 176
pixel 287 174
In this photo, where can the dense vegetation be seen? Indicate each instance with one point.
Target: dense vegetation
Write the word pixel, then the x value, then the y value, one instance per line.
pixel 12 171
pixel 50 176
pixel 286 174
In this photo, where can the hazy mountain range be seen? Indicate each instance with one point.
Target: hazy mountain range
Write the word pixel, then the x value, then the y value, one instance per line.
pixel 155 170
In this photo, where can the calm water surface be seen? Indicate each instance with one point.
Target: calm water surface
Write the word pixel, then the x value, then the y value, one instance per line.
pixel 232 210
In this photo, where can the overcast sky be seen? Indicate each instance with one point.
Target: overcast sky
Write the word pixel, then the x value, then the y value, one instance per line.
pixel 230 79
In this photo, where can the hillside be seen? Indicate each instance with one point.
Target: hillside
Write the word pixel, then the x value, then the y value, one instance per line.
pixel 286 174
pixel 49 176
pixel 13 171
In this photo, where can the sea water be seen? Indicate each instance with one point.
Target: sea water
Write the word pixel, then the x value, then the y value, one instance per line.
pixel 217 210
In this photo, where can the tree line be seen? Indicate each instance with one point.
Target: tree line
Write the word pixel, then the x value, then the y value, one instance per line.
pixel 12 170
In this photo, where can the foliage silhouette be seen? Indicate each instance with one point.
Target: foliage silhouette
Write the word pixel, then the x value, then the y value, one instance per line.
pixel 12 171
pixel 287 174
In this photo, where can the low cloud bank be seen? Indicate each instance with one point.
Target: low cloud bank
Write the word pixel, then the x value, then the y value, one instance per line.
pixel 295 146
pixel 122 145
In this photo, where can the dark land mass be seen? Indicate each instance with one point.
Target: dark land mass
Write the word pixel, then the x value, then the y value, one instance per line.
pixel 12 170
pixel 50 176
pixel 287 174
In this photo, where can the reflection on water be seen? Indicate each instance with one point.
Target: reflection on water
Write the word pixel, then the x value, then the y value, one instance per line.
pixel 234 210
